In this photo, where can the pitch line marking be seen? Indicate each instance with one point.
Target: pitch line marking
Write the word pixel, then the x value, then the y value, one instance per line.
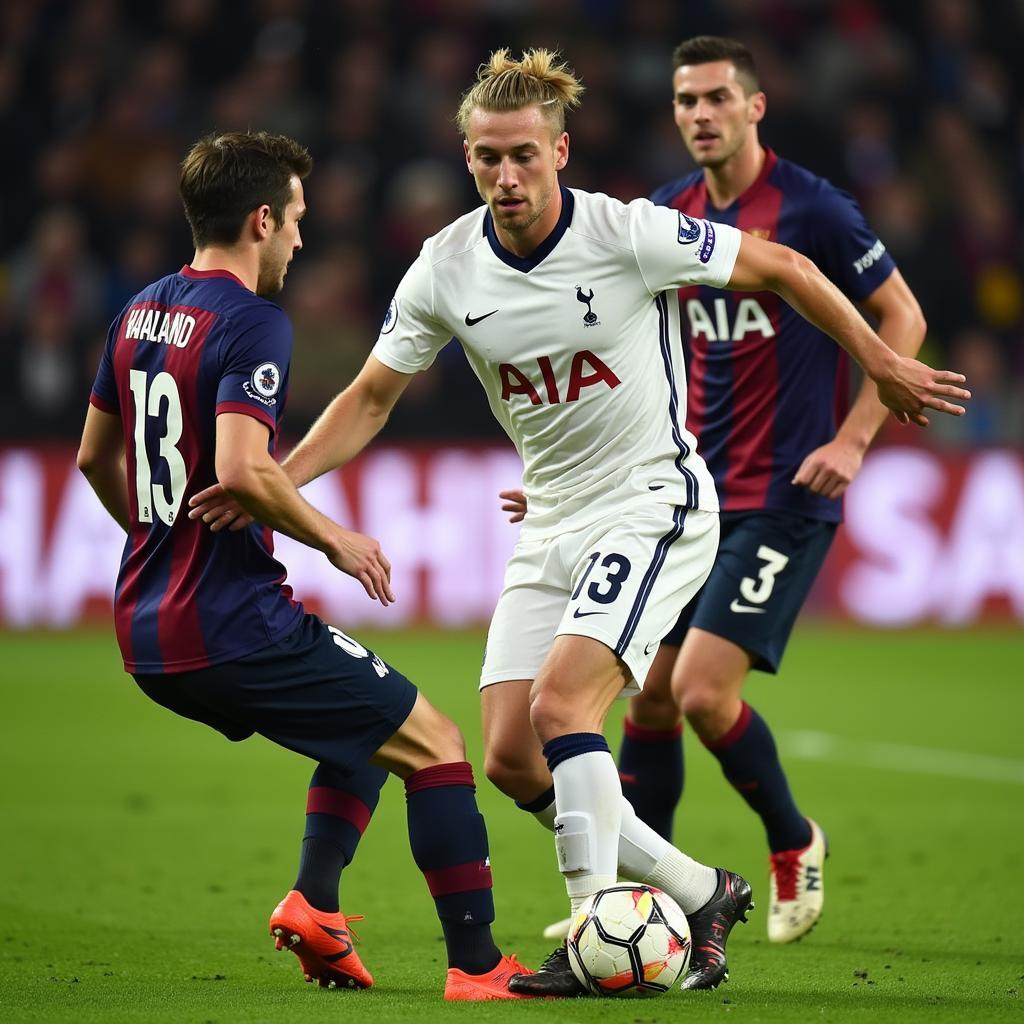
pixel 808 745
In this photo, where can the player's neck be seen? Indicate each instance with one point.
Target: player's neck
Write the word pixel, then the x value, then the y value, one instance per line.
pixel 523 243
pixel 727 182
pixel 244 266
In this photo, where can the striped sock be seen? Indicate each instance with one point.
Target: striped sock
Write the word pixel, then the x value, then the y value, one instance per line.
pixel 338 809
pixel 449 844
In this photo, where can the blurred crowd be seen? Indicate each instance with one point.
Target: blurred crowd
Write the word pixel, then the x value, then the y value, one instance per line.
pixel 913 105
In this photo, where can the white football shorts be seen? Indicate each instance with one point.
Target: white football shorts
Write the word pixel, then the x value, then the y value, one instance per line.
pixel 622 581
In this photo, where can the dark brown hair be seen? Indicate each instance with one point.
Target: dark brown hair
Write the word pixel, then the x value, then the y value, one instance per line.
pixel 225 177
pixel 707 49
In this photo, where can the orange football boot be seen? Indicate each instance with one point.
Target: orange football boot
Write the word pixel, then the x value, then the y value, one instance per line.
pixel 322 942
pixel 492 985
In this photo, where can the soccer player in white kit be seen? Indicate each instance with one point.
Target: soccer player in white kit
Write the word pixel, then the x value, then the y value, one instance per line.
pixel 564 302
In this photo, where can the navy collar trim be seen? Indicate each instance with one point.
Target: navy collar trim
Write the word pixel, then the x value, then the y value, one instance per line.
pixel 526 263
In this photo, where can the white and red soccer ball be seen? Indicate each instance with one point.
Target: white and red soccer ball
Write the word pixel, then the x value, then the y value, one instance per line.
pixel 629 940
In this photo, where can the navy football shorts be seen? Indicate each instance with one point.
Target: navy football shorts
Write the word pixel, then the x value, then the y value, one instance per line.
pixel 764 570
pixel 317 692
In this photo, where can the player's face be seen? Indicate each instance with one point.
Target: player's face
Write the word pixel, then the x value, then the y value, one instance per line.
pixel 714 115
pixel 515 157
pixel 282 244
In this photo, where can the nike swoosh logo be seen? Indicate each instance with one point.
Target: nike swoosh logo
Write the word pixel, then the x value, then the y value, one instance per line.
pixel 737 607
pixel 647 649
pixel 473 320
pixel 655 487
pixel 577 614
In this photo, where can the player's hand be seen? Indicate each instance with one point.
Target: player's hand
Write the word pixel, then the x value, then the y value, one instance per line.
pixel 218 510
pixel 828 470
pixel 909 387
pixel 514 502
pixel 361 556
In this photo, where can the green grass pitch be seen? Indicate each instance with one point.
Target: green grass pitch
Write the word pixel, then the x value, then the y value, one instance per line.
pixel 142 854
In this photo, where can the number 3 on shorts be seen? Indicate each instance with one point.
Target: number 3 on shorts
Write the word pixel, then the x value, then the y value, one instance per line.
pixel 758 591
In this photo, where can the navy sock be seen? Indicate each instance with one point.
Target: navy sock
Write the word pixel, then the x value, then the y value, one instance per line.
pixel 750 763
pixel 651 771
pixel 338 809
pixel 449 844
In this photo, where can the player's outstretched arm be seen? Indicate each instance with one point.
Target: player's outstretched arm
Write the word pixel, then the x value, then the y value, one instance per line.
pixel 349 423
pixel 100 458
pixel 829 469
pixel 248 473
pixel 905 386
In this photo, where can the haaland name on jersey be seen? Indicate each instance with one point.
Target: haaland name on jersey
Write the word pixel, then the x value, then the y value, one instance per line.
pixel 166 326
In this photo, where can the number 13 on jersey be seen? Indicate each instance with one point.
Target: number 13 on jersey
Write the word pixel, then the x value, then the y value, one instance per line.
pixel 151 400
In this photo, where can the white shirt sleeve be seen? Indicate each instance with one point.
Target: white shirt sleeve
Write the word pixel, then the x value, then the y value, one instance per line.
pixel 673 250
pixel 410 338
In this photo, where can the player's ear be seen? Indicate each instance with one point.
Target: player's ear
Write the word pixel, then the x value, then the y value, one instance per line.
pixel 263 221
pixel 466 154
pixel 562 151
pixel 758 106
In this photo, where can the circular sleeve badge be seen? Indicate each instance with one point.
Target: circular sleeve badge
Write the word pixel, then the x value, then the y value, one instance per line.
pixel 266 379
pixel 390 318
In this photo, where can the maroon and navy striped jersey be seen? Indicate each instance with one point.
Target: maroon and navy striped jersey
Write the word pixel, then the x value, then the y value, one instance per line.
pixel 765 386
pixel 186 348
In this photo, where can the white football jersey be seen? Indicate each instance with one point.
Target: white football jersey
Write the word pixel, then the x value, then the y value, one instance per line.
pixel 578 347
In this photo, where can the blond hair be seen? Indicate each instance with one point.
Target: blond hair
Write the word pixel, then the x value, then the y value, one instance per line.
pixel 504 84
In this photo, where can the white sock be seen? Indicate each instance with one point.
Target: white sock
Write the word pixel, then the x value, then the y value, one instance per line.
pixel 588 802
pixel 645 856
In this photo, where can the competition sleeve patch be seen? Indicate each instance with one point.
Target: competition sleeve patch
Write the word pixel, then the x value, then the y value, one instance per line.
pixel 707 247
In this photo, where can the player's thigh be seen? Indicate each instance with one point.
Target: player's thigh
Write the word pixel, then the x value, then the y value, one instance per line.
pixel 631 578
pixel 766 565
pixel 318 692
pixel 577 683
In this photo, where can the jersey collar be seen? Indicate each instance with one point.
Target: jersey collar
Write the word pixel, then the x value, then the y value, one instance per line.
pixel 526 263
pixel 203 275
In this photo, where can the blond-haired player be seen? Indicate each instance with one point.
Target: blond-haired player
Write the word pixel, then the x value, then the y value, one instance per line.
pixel 561 301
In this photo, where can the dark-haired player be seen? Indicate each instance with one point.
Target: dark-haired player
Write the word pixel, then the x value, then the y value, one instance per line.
pixel 190 391
pixel 767 400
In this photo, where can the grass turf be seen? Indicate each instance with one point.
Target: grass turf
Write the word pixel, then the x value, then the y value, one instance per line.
pixel 142 854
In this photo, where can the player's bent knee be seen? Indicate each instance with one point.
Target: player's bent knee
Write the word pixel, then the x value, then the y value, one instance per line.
pixel 654 710
pixel 551 716
pixel 517 777
pixel 706 709
pixel 446 743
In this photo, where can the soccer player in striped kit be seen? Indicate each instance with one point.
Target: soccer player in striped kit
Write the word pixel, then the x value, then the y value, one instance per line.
pixel 190 390
pixel 768 404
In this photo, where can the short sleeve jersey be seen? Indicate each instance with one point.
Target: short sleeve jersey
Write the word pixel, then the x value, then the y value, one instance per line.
pixel 577 347
pixel 185 349
pixel 766 386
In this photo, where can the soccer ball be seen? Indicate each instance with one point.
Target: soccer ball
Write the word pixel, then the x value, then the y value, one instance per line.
pixel 629 940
